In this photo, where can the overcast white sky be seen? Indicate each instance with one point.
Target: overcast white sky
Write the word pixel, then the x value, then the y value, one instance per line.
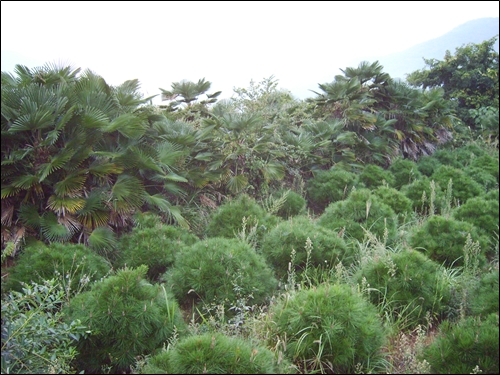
pixel 228 43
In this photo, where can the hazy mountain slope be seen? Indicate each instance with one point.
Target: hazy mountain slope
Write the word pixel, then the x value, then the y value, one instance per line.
pixel 476 31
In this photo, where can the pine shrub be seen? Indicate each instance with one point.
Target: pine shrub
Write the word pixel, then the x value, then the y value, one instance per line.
pixel 480 212
pixel 360 210
pixel 463 186
pixel 400 203
pixel 373 176
pixel 329 328
pixel 127 316
pixel 220 270
pixel 482 177
pixel 427 165
pixel 405 172
pixel 294 205
pixel 76 265
pixel 227 220
pixel 487 163
pixel 407 285
pixel 491 195
pixel 485 298
pixel 467 347
pixel 215 354
pixel 292 235
pixel 425 195
pixel 443 239
pixel 155 247
pixel 330 186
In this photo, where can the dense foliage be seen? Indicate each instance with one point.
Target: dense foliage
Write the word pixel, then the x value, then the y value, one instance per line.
pixel 152 231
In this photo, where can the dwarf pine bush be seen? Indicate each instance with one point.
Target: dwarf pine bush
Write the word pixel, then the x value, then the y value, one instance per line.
pixel 373 176
pixel 329 328
pixel 443 240
pixel 220 270
pixel 330 186
pixel 404 171
pixel 482 177
pixel 215 353
pixel 155 247
pixel 72 262
pixel 426 196
pixel 361 209
pixel 464 187
pixel 487 163
pixel 408 286
pixel 399 202
pixel 293 205
pixel 484 300
pixel 427 165
pixel 127 317
pixel 480 212
pixel 227 219
pixel 292 235
pixel 467 347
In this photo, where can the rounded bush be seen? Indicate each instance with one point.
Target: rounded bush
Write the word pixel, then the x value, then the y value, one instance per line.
pixel 480 212
pixel 330 186
pixel 448 157
pixel 410 284
pixel 360 210
pixel 482 177
pixel 215 354
pixel 155 247
pixel 427 165
pixel 277 245
pixel 443 240
pixel 399 202
pixel 39 262
pixel 420 193
pixel 491 195
pixel 485 299
pixel 487 163
pixel 329 325
pixel 373 175
pixel 227 220
pixel 294 205
pixel 405 172
pixel 463 186
pixel 460 347
pixel 127 317
pixel 220 270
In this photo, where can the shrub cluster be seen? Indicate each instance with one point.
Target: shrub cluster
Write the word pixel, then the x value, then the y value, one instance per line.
pixel 127 317
pixel 330 186
pixel 215 354
pixel 373 176
pixel 405 172
pixel 75 263
pixel 221 270
pixel 330 328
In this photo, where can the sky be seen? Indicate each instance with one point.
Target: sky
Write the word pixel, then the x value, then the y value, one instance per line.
pixel 228 43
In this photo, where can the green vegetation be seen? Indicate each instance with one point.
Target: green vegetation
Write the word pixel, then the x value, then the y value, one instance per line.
pixel 354 231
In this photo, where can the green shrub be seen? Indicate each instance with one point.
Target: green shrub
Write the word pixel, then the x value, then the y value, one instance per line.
pixel 293 234
pixel 482 177
pixel 400 203
pixel 447 157
pixel 127 317
pixel 491 195
pixel 154 247
pixel 485 299
pixel 330 328
pixel 480 212
pixel 487 163
pixel 294 205
pixel 360 210
pixel 40 262
pixel 373 175
pixel 330 186
pixel 460 347
pixel 408 285
pixel 443 240
pixel 405 172
pixel 464 155
pixel 215 354
pixel 35 339
pixel 220 270
pixel 227 220
pixel 427 165
pixel 463 186
pixel 423 194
